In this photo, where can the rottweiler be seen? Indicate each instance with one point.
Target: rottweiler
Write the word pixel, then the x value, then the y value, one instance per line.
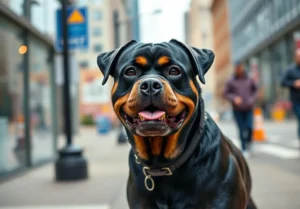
pixel 179 158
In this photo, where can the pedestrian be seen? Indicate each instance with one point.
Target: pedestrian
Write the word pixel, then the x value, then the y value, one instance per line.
pixel 241 91
pixel 291 79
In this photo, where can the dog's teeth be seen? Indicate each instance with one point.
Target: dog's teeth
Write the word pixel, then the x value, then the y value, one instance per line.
pixel 163 117
pixel 141 118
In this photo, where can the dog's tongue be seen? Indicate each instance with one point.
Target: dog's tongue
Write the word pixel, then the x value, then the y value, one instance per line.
pixel 147 115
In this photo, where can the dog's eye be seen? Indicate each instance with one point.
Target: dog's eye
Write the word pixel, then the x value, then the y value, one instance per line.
pixel 174 71
pixel 130 71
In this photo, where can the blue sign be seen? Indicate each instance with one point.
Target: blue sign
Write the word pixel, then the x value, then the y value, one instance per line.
pixel 77 19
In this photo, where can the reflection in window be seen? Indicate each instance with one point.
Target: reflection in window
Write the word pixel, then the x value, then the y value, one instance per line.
pixel 40 102
pixel 12 132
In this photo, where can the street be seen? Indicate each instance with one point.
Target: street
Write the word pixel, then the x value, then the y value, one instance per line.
pixel 276 174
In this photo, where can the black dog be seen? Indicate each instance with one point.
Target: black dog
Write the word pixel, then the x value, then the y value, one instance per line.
pixel 179 157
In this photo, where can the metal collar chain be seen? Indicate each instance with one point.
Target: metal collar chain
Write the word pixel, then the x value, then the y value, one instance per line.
pixel 148 173
pixel 148 179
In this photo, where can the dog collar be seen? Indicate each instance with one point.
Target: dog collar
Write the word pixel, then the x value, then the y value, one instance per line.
pixel 168 170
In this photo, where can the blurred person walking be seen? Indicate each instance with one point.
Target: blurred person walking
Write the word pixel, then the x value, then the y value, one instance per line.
pixel 291 79
pixel 241 91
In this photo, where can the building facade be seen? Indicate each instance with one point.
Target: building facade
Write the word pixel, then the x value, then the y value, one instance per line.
pixel 31 113
pixel 262 33
pixel 102 30
pixel 199 34
pixel 27 91
pixel 134 16
pixel 222 47
pixel 111 24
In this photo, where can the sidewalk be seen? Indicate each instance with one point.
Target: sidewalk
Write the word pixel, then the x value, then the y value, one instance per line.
pixel 108 172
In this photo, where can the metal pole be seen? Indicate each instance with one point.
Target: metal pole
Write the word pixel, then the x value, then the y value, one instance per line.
pixel 66 87
pixel 71 165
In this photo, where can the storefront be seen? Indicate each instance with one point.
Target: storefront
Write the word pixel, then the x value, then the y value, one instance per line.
pixel 272 61
pixel 263 38
pixel 27 114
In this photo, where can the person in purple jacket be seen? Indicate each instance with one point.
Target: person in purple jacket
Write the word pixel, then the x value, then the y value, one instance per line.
pixel 241 91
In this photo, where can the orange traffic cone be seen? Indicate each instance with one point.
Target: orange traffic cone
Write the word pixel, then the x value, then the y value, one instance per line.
pixel 258 131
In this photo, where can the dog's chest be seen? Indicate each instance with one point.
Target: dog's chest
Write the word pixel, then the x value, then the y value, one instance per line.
pixel 180 199
pixel 179 205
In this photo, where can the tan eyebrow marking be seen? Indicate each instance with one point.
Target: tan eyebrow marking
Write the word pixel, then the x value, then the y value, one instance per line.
pixel 163 60
pixel 141 60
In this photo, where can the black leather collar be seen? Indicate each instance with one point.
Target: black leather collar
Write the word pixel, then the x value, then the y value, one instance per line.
pixel 168 169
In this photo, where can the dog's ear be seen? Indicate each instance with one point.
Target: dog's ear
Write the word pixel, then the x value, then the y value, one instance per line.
pixel 202 59
pixel 106 61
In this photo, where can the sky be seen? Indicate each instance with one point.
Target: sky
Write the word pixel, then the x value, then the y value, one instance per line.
pixel 166 25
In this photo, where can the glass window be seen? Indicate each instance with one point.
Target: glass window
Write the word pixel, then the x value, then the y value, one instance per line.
pixel 272 12
pixel 97 31
pixel 84 50
pixel 279 9
pixel 295 3
pixel 266 75
pixel 15 5
pixel 43 15
pixel 97 14
pixel 97 2
pixel 84 64
pixel 290 48
pixel 82 2
pixel 12 135
pixel 268 19
pixel 40 102
pixel 97 48
pixel 279 64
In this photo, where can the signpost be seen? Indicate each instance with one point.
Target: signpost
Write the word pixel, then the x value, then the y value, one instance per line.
pixel 77 19
pixel 72 25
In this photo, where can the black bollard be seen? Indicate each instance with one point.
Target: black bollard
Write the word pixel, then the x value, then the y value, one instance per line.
pixel 122 137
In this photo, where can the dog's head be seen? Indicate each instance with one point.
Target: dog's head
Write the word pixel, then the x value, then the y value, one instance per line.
pixel 155 92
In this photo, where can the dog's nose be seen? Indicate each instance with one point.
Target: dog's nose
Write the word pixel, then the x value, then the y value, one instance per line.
pixel 151 86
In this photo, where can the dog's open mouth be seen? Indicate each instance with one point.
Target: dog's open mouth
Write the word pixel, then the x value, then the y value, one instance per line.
pixel 155 115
